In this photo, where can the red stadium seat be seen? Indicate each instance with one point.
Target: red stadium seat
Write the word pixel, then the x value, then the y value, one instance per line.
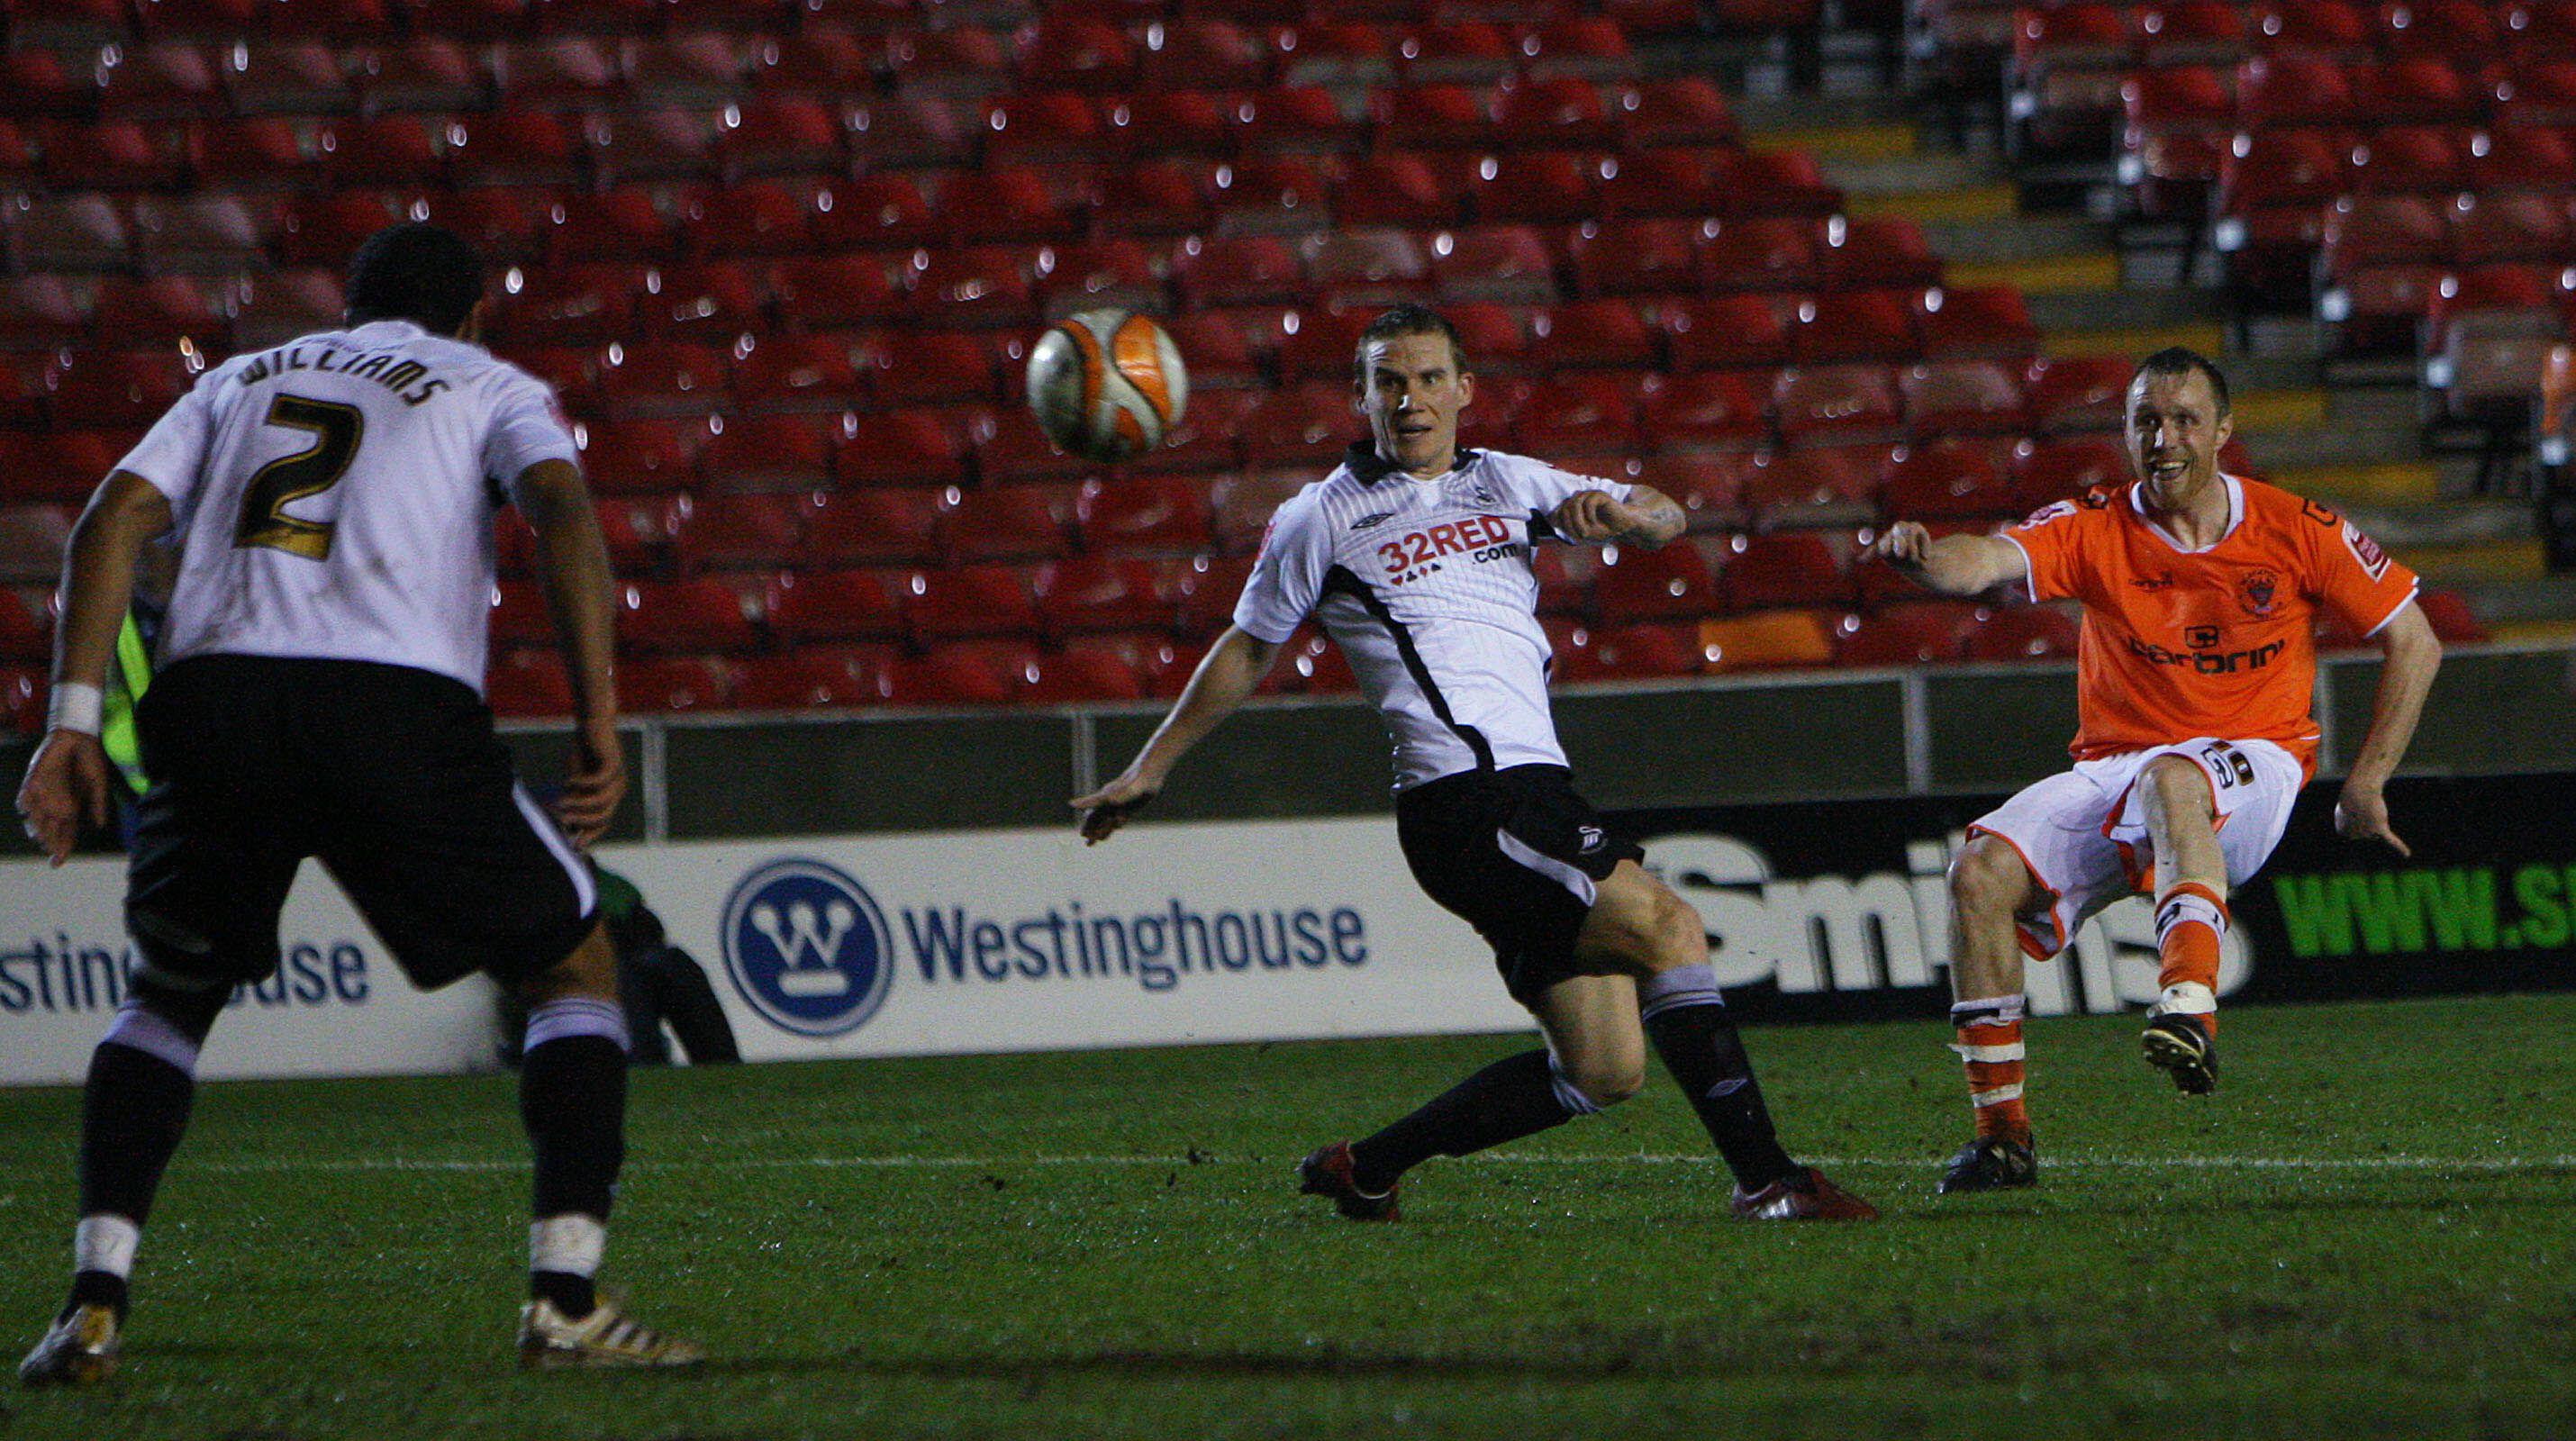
pixel 1157 514
pixel 642 457
pixel 2523 158
pixel 1241 271
pixel 1794 568
pixel 1542 186
pixel 1784 182
pixel 833 292
pixel 1651 651
pixel 1682 110
pixel 2370 230
pixel 1208 594
pixel 1168 197
pixel 1017 522
pixel 933 366
pixel 1635 257
pixel 986 673
pixel 1922 632
pixel 2183 98
pixel 664 378
pixel 1367 265
pixel 697 64
pixel 2079 394
pixel 1106 593
pixel 1727 332
pixel 913 446
pixel 1573 416
pixel 970 600
pixel 527 684
pixel 1500 264
pixel 870 527
pixel 1830 485
pixel 2295 89
pixel 1205 440
pixel 684 615
pixel 736 532
pixel 1761 253
pixel 769 453
pixel 2313 27
pixel 2192 32
pixel 716 302
pixel 1974 397
pixel 1672 583
pixel 1084 677
pixel 785 135
pixel 1114 273
pixel 41 311
pixel 2283 167
pixel 1553 112
pixel 1435 117
pixel 1678 182
pixel 1323 344
pixel 2045 471
pixel 158 81
pixel 1839 326
pixel 904 129
pixel 1394 189
pixel 1305 423
pixel 1951 480
pixel 1078 52
pixel 1243 505
pixel 669 685
pixel 2511 227
pixel 1838 404
pixel 1877 251
pixel 1697 409
pixel 1596 334
pixel 1047 125
pixel 838 604
pixel 115 155
pixel 1302 118
pixel 1708 485
pixel 2426 159
pixel 2023 632
pixel 1202 49
pixel 816 677
pixel 204 232
pixel 109 389
pixel 803 373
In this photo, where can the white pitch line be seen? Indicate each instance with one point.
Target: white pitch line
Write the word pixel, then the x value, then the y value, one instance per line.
pixel 903 1162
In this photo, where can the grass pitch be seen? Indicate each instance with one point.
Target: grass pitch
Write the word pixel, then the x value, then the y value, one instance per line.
pixel 2370 1231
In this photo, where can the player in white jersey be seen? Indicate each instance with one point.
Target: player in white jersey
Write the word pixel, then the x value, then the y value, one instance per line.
pixel 1415 556
pixel 320 695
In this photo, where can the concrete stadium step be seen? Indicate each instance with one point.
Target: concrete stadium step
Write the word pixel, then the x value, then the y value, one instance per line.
pixel 2548 600
pixel 2121 307
pixel 2023 237
pixel 2069 271
pixel 1915 175
pixel 1844 141
pixel 2413 529
pixel 2457 565
pixel 2388 483
pixel 2529 632
pixel 2134 343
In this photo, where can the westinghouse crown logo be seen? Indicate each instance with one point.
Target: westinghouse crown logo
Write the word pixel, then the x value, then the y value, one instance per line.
pixel 807 947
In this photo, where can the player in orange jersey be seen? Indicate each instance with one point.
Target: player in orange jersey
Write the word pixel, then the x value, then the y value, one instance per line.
pixel 2193 679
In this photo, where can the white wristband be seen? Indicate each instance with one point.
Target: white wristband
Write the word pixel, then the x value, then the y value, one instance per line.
pixel 75 707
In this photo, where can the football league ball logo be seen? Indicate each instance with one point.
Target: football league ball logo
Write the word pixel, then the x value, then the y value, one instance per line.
pixel 807 947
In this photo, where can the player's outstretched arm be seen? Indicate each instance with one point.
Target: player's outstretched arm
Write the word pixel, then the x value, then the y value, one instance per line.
pixel 1951 564
pixel 572 562
pixel 2414 654
pixel 67 777
pixel 1646 520
pixel 1224 679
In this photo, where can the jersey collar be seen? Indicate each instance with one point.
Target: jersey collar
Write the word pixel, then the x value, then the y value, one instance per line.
pixel 1368 467
pixel 2235 515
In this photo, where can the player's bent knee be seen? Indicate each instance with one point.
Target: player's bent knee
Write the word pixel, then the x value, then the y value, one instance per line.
pixel 1989 878
pixel 2179 787
pixel 1607 1083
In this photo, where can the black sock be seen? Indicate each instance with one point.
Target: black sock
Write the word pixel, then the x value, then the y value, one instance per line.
pixel 1697 1040
pixel 1507 1100
pixel 573 1295
pixel 134 1110
pixel 97 1288
pixel 572 1098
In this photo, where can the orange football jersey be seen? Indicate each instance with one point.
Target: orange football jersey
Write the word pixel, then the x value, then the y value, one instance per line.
pixel 2217 642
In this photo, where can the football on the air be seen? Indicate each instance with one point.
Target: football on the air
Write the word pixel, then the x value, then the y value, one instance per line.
pixel 1107 384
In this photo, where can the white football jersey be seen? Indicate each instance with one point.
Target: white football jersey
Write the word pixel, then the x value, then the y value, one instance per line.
pixel 334 496
pixel 1426 586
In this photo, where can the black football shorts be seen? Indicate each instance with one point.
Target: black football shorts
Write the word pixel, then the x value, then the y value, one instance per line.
pixel 389 774
pixel 1517 854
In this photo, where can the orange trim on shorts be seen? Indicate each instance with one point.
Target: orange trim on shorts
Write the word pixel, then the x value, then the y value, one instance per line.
pixel 2021 928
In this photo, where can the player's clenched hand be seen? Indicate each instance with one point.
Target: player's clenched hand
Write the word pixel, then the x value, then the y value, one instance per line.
pixel 2361 814
pixel 1106 809
pixel 1592 515
pixel 597 784
pixel 1903 544
pixel 66 782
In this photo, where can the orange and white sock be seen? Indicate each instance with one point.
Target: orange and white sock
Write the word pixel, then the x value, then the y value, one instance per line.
pixel 2191 921
pixel 1990 1042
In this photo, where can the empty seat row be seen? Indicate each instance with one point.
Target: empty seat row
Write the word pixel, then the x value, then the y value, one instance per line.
pixel 2303 90
pixel 2200 32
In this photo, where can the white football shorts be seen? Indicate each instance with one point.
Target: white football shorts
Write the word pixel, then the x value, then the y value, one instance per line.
pixel 2083 832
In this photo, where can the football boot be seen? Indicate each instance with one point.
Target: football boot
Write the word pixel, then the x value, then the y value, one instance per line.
pixel 1802 1195
pixel 80 1350
pixel 2181 1046
pixel 549 1339
pixel 1991 1163
pixel 1327 1173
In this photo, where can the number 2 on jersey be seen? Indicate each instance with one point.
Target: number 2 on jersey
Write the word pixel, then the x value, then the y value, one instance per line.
pixel 336 431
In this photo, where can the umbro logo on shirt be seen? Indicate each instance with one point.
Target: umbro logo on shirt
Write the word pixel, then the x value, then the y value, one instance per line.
pixel 1593 839
pixel 1380 518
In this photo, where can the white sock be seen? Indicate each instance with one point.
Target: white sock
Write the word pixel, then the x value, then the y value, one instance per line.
pixel 570 1243
pixel 105 1243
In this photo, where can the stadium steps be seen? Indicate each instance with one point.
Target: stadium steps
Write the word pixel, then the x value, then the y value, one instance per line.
pixel 2394 483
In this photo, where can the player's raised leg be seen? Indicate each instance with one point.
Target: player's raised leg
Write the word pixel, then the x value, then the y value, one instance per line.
pixel 1638 925
pixel 572 1098
pixel 2181 1038
pixel 1990 888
